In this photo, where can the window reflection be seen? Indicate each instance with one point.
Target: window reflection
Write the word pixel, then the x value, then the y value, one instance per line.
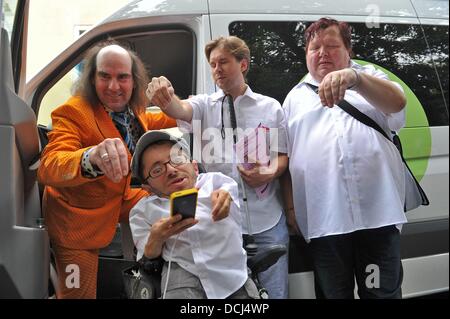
pixel 9 10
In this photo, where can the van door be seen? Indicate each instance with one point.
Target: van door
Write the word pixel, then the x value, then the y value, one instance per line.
pixel 24 246
pixel 169 38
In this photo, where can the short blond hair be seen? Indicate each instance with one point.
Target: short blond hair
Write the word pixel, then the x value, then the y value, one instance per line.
pixel 234 45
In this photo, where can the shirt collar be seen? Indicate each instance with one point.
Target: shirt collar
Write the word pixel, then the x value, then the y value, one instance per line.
pixel 309 79
pixel 218 96
pixel 155 198
pixel 110 112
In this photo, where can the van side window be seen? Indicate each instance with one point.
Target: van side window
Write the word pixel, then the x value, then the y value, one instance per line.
pixel 437 37
pixel 402 49
pixel 164 52
pixel 278 58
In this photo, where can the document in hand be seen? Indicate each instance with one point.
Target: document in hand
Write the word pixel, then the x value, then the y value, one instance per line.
pixel 253 147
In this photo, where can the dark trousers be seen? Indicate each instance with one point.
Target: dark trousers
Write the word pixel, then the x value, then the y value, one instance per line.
pixel 372 256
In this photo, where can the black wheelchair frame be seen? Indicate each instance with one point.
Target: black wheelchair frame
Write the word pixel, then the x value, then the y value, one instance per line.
pixel 143 280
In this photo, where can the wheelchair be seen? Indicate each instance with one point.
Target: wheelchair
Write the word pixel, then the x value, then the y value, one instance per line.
pixel 143 280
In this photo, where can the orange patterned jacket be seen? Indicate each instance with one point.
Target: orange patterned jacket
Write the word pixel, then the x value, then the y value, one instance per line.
pixel 80 212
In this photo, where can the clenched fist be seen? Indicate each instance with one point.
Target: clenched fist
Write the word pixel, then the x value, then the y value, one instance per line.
pixel 160 92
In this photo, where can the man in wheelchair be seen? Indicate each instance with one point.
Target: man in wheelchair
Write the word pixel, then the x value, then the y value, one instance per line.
pixel 203 256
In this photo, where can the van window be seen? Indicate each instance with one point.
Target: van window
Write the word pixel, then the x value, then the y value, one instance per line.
pixel 277 55
pixel 278 58
pixel 437 37
pixel 168 52
pixel 9 10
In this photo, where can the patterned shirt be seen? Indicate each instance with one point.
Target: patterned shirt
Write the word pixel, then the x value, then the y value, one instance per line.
pixel 128 125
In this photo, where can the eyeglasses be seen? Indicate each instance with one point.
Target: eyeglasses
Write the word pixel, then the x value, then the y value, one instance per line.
pixel 161 168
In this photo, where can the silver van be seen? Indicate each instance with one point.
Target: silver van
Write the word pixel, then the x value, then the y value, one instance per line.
pixel 406 38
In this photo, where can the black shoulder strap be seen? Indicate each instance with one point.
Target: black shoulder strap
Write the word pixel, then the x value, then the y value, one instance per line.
pixel 357 114
pixel 363 118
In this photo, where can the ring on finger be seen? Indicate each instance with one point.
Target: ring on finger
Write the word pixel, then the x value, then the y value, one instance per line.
pixel 105 157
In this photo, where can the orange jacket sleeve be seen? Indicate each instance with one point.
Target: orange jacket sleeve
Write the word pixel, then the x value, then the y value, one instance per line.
pixel 159 120
pixel 60 161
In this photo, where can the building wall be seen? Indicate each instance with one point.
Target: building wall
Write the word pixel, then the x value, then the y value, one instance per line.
pixel 53 26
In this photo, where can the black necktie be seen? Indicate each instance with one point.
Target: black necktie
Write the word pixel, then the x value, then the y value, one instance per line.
pixel 232 116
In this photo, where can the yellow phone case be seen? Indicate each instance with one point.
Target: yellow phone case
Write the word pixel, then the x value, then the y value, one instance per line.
pixel 183 194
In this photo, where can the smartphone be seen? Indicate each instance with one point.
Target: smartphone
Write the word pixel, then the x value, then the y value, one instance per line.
pixel 184 203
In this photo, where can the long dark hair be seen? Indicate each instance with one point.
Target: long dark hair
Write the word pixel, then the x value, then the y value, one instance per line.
pixel 85 85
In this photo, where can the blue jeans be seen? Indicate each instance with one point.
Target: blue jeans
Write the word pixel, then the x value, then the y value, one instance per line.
pixel 370 255
pixel 275 279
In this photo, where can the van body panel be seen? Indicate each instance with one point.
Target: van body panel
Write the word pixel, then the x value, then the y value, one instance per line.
pixel 434 9
pixel 143 23
pixel 435 181
pixel 140 8
pixel 160 8
pixel 421 276
pixel 319 8
pixel 425 275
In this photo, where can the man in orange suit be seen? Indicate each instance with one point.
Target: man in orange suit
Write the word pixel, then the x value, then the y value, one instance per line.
pixel 85 166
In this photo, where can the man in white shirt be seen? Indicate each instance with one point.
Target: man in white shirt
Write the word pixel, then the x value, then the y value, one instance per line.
pixel 206 255
pixel 347 179
pixel 213 116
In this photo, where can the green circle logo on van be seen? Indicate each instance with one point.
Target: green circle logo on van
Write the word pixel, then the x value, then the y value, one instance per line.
pixel 416 135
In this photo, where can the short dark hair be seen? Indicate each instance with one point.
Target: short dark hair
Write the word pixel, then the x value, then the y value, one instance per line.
pixel 236 46
pixel 84 86
pixel 345 31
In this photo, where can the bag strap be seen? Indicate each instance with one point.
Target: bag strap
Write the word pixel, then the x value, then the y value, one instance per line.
pixel 357 114
pixel 363 118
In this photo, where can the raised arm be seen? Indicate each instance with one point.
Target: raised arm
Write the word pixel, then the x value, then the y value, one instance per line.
pixel 381 93
pixel 161 93
pixel 62 159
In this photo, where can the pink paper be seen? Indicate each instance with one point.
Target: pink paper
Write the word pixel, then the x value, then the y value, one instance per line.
pixel 253 147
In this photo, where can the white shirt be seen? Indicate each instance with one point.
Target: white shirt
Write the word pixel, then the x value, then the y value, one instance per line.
pixel 251 110
pixel 210 250
pixel 345 175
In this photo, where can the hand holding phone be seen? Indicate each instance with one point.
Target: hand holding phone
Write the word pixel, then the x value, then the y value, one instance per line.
pixel 184 203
